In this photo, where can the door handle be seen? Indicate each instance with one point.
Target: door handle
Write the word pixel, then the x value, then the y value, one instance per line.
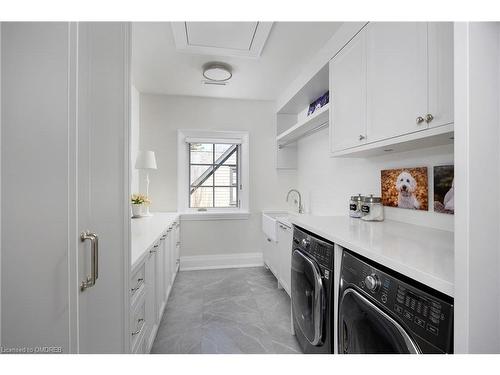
pixel 94 259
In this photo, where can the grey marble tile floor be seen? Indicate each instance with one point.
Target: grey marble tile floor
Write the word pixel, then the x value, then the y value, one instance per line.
pixel 230 311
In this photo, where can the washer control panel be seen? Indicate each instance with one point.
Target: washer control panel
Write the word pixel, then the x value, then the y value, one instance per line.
pixel 317 248
pixel 428 315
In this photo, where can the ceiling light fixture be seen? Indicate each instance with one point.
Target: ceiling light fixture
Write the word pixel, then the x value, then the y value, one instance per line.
pixel 216 71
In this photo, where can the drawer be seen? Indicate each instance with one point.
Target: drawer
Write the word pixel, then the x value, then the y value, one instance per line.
pixel 138 324
pixel 137 282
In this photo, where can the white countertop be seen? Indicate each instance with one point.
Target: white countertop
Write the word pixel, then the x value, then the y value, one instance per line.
pixel 423 254
pixel 146 230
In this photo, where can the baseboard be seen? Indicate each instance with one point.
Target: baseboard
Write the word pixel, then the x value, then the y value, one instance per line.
pixel 207 262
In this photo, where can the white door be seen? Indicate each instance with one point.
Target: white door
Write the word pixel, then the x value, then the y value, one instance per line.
pixel 103 186
pixel 348 92
pixel 440 73
pixel 396 78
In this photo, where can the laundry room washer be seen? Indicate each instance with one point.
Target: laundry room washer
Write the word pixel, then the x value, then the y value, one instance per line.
pixel 382 311
pixel 311 291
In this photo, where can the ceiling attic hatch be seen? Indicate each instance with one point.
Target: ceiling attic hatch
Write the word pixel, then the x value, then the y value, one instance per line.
pixel 236 39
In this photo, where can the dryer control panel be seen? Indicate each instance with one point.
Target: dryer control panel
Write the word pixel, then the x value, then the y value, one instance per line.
pixel 319 249
pixel 424 311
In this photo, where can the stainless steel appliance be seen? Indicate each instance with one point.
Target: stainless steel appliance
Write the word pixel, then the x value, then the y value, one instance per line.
pixel 382 311
pixel 312 284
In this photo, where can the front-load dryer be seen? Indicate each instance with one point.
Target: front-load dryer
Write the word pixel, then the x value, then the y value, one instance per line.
pixel 311 291
pixel 382 311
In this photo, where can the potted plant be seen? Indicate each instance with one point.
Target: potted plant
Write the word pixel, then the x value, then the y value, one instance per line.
pixel 138 200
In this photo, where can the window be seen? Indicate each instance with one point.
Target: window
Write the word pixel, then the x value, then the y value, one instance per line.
pixel 212 172
pixel 213 175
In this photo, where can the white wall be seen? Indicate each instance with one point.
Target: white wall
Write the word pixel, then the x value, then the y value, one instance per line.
pixel 134 137
pixel 162 115
pixel 327 183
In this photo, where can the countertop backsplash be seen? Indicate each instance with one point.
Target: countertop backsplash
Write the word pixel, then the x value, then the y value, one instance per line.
pixel 327 183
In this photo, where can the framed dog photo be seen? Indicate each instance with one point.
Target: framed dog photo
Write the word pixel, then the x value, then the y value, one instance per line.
pixel 444 189
pixel 405 188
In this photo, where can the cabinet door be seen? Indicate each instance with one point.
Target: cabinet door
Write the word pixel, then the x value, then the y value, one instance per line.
pixel 167 266
pixel 348 95
pixel 177 239
pixel 396 78
pixel 160 279
pixel 151 313
pixel 270 255
pixel 285 238
pixel 440 42
pixel 173 260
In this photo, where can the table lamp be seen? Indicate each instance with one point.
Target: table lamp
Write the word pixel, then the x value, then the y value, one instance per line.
pixel 146 160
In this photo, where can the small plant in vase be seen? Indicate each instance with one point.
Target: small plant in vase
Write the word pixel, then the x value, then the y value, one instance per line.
pixel 138 201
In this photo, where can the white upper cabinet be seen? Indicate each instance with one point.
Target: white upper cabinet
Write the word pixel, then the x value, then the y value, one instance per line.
pixel 348 95
pixel 392 89
pixel 396 77
pixel 440 77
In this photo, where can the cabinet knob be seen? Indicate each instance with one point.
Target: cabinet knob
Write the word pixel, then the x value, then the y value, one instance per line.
pixel 361 137
pixel 419 120
pixel 429 118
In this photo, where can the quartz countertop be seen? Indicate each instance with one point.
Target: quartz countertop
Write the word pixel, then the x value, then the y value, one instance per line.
pixel 421 253
pixel 146 230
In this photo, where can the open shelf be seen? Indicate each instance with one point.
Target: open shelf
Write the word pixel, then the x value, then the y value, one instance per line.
pixel 317 120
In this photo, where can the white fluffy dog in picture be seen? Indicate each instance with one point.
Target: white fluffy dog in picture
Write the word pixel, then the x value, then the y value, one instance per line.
pixel 449 198
pixel 406 186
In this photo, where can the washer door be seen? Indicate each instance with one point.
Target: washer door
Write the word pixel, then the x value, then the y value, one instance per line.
pixel 307 297
pixel 366 329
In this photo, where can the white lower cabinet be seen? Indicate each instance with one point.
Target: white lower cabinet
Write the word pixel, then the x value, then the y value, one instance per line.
pixel 285 238
pixel 270 254
pixel 150 286
pixel 278 255
pixel 139 323
pixel 151 294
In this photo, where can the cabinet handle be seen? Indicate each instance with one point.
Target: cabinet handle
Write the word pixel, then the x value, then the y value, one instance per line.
pixel 94 259
pixel 153 250
pixel 139 283
pixel 361 137
pixel 139 321
pixel 269 240
pixel 419 120
pixel 429 118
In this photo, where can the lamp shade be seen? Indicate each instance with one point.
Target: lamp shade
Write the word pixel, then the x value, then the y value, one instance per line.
pixel 146 160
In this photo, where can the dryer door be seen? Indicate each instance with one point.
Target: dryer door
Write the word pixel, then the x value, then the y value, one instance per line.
pixel 307 297
pixel 366 329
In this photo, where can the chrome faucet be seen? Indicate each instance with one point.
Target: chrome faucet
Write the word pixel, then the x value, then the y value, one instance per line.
pixel 299 202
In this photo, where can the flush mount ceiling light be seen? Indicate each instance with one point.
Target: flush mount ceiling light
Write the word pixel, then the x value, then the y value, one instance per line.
pixel 218 72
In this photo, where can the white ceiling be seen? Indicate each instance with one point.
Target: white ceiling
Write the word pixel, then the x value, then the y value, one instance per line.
pixel 158 67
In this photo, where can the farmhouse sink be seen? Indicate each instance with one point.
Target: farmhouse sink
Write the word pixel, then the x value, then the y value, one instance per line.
pixel 270 221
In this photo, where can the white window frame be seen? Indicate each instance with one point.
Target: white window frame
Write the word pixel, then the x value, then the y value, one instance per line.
pixel 212 136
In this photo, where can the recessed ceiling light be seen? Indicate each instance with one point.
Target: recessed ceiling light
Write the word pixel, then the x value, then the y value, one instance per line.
pixel 218 72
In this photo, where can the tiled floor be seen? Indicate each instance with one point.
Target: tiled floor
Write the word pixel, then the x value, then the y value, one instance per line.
pixel 237 310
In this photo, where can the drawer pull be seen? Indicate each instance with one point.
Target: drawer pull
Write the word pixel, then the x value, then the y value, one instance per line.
pixel 139 283
pixel 139 321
